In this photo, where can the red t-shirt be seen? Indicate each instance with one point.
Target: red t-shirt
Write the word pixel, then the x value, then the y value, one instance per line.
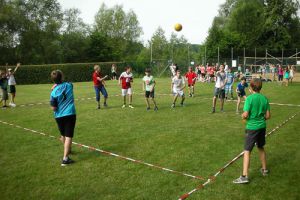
pixel 95 80
pixel 126 80
pixel 191 77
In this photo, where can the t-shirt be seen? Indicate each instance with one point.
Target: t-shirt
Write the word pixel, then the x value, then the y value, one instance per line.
pixel 11 80
pixel 241 87
pixel 221 76
pixel 95 79
pixel 178 83
pixel 126 80
pixel 286 74
pixel 280 71
pixel 63 99
pixel 230 78
pixel 3 83
pixel 149 82
pixel 202 70
pixel 256 105
pixel 191 77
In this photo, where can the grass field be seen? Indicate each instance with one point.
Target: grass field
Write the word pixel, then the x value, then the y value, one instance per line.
pixel 187 139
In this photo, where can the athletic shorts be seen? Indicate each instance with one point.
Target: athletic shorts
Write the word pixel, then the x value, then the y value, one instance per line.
pixel 219 93
pixel 228 89
pixel 126 91
pixel 191 84
pixel 4 95
pixel 203 74
pixel 66 125
pixel 241 94
pixel 149 94
pixel 12 89
pixel 212 75
pixel 178 92
pixel 280 77
pixel 255 136
pixel 114 74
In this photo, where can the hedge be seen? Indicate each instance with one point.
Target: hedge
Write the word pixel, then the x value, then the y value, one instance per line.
pixel 74 72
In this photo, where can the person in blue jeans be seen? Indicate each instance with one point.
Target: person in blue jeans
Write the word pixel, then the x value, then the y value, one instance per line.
pixel 62 103
pixel 99 86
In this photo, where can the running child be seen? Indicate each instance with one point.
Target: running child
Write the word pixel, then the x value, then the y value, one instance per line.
pixel 229 84
pixel 256 112
pixel 287 76
pixel 3 87
pixel 240 90
pixel 99 86
pixel 177 87
pixel 191 79
pixel 125 80
pixel 62 103
pixel 219 89
pixel 12 85
pixel 148 87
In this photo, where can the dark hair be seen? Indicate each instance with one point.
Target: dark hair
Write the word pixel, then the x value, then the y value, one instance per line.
pixel 57 76
pixel 243 79
pixel 128 67
pixel 148 70
pixel 256 84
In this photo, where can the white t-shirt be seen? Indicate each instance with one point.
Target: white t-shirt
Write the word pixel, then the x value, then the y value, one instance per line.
pixel 173 69
pixel 149 82
pixel 178 83
pixel 11 80
pixel 221 77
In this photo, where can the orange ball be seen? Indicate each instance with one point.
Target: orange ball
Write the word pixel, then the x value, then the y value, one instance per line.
pixel 178 27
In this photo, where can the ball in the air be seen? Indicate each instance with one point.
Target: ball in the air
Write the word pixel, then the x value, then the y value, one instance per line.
pixel 178 27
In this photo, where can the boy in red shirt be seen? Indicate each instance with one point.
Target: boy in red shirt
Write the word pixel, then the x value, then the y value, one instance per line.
pixel 125 80
pixel 191 78
pixel 99 86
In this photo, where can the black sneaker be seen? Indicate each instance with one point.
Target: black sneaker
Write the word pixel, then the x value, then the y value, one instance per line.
pixel 173 105
pixel 148 108
pixel 98 107
pixel 66 162
pixel 190 95
pixel 213 110
pixel 156 108
pixel 105 105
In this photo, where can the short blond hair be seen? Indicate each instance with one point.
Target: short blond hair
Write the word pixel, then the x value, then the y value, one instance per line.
pixel 96 67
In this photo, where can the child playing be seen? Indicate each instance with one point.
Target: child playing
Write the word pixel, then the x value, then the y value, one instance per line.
pixel 177 86
pixel 125 80
pixel 229 84
pixel 114 72
pixel 99 86
pixel 3 87
pixel 219 88
pixel 256 112
pixel 287 76
pixel 191 78
pixel 148 87
pixel 12 85
pixel 240 90
pixel 62 103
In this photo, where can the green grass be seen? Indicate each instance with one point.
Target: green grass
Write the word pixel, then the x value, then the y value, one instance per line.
pixel 187 139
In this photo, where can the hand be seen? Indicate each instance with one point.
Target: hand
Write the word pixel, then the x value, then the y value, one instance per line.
pixel 18 64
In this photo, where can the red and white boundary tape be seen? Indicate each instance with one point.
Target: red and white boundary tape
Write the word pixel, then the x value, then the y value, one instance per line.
pixel 211 179
pixel 108 153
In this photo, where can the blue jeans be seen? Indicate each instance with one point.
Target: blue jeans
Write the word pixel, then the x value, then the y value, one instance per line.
pixel 101 89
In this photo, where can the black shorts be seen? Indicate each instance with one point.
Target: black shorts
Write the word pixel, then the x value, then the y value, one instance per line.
pixel 66 125
pixel 114 74
pixel 241 94
pixel 280 77
pixel 255 136
pixel 149 94
pixel 12 89
pixel 219 93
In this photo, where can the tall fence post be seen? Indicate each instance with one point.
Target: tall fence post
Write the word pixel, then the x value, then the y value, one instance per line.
pixel 218 55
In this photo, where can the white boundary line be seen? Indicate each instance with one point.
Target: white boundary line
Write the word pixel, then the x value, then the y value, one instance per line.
pixel 108 153
pixel 186 195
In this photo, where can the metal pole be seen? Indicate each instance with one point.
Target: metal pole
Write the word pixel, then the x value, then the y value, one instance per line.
pixel 218 55
pixel 150 52
pixel 188 55
pixel 282 56
pixel 296 55
pixel 266 56
pixel 205 56
pixel 244 59
pixel 255 59
pixel 231 54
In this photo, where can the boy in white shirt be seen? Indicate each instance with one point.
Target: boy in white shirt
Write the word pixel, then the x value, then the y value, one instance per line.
pixel 219 88
pixel 177 87
pixel 12 85
pixel 148 87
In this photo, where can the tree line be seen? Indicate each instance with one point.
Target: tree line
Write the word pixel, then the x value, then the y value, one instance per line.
pixel 41 32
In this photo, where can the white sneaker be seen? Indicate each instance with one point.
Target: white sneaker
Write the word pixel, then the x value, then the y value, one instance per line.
pixel 12 105
pixel 130 106
pixel 124 106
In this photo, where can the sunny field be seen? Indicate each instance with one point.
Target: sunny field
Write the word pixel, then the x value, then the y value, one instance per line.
pixel 187 139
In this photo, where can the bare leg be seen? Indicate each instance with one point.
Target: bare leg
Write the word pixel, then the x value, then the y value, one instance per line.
pixel 124 100
pixel 175 98
pixel 67 146
pixel 130 99
pixel 262 156
pixel 147 102
pixel 214 102
pixel 246 163
pixel 154 102
pixel 222 103
pixel 182 100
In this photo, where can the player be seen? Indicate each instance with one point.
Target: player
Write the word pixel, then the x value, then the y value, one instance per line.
pixel 229 84
pixel 3 87
pixel 287 76
pixel 125 80
pixel 292 73
pixel 191 79
pixel 114 72
pixel 62 103
pixel 12 85
pixel 219 89
pixel 240 90
pixel 177 87
pixel 99 86
pixel 256 112
pixel 148 87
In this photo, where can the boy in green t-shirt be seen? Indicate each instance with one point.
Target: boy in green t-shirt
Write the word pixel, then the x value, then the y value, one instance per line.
pixel 256 112
pixel 148 87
